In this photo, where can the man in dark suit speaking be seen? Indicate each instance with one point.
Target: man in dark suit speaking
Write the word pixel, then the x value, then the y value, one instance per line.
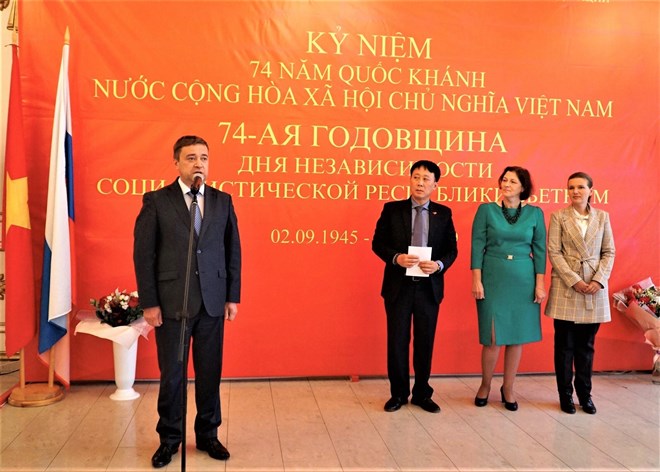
pixel 162 233
pixel 414 299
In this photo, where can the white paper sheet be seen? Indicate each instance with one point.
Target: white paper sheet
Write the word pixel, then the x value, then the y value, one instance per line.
pixel 424 254
pixel 124 335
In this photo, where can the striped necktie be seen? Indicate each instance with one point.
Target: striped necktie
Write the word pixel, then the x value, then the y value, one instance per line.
pixel 197 217
pixel 418 228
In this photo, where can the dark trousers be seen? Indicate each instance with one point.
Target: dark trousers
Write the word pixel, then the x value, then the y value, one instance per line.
pixel 574 346
pixel 414 306
pixel 207 337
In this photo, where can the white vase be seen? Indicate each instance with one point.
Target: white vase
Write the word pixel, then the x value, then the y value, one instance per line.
pixel 125 361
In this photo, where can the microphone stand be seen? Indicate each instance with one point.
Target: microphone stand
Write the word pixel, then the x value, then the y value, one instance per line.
pixel 183 351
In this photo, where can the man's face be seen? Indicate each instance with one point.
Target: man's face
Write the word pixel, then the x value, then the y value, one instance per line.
pixel 193 159
pixel 422 185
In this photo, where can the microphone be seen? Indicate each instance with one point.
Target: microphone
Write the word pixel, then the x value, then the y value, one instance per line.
pixel 198 180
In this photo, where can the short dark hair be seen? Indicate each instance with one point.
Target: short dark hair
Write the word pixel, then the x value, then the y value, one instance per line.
pixel 428 165
pixel 184 141
pixel 585 176
pixel 523 176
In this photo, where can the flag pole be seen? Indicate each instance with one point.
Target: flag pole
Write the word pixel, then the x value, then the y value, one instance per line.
pixel 51 367
pixel 21 368
pixel 35 394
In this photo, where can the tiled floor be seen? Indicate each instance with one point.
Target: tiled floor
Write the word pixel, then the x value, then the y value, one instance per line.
pixel 8 374
pixel 339 425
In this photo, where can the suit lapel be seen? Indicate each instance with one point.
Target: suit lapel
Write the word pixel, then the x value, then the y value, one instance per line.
pixel 178 201
pixel 574 232
pixel 406 217
pixel 433 222
pixel 592 228
pixel 210 199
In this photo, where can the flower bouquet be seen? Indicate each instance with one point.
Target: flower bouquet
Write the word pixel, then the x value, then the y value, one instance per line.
pixel 640 303
pixel 118 308
pixel 117 317
pixel 122 313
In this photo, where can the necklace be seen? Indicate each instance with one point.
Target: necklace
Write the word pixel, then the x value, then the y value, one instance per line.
pixel 511 219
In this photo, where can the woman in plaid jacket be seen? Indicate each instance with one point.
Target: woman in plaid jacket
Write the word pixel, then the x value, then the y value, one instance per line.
pixel 581 251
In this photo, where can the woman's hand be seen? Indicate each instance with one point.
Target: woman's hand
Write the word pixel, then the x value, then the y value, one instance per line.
pixel 580 286
pixel 478 290
pixel 593 287
pixel 477 286
pixel 539 289
pixel 587 288
pixel 539 294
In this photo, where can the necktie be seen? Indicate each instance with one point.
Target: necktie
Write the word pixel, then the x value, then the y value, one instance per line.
pixel 418 228
pixel 197 214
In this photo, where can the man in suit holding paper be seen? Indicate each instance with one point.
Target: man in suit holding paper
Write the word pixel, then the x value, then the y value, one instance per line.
pixel 414 300
pixel 160 253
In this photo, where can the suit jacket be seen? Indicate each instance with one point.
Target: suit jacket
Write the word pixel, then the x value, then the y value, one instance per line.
pixel 160 253
pixel 575 258
pixel 392 236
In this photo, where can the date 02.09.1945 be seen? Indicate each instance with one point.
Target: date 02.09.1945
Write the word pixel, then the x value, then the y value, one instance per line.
pixel 310 236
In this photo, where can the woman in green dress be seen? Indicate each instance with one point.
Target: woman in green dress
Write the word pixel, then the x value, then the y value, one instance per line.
pixel 508 267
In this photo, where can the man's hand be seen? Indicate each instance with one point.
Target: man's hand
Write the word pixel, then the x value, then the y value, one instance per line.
pixel 231 310
pixel 153 316
pixel 429 267
pixel 407 260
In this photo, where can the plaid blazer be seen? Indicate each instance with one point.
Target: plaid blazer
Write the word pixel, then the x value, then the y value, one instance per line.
pixel 576 258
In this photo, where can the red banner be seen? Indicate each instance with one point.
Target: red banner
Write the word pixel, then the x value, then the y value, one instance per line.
pixel 314 112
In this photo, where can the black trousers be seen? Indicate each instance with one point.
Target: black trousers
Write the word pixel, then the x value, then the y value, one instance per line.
pixel 415 307
pixel 574 346
pixel 206 333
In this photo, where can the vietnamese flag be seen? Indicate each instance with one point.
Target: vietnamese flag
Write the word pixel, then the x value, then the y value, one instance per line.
pixel 20 313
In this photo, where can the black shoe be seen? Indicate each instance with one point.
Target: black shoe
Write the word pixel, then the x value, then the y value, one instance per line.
pixel 588 406
pixel 163 455
pixel 426 404
pixel 214 447
pixel 566 404
pixel 481 401
pixel 395 403
pixel 511 406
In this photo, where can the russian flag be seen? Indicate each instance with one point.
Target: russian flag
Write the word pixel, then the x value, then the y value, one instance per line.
pixel 57 277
